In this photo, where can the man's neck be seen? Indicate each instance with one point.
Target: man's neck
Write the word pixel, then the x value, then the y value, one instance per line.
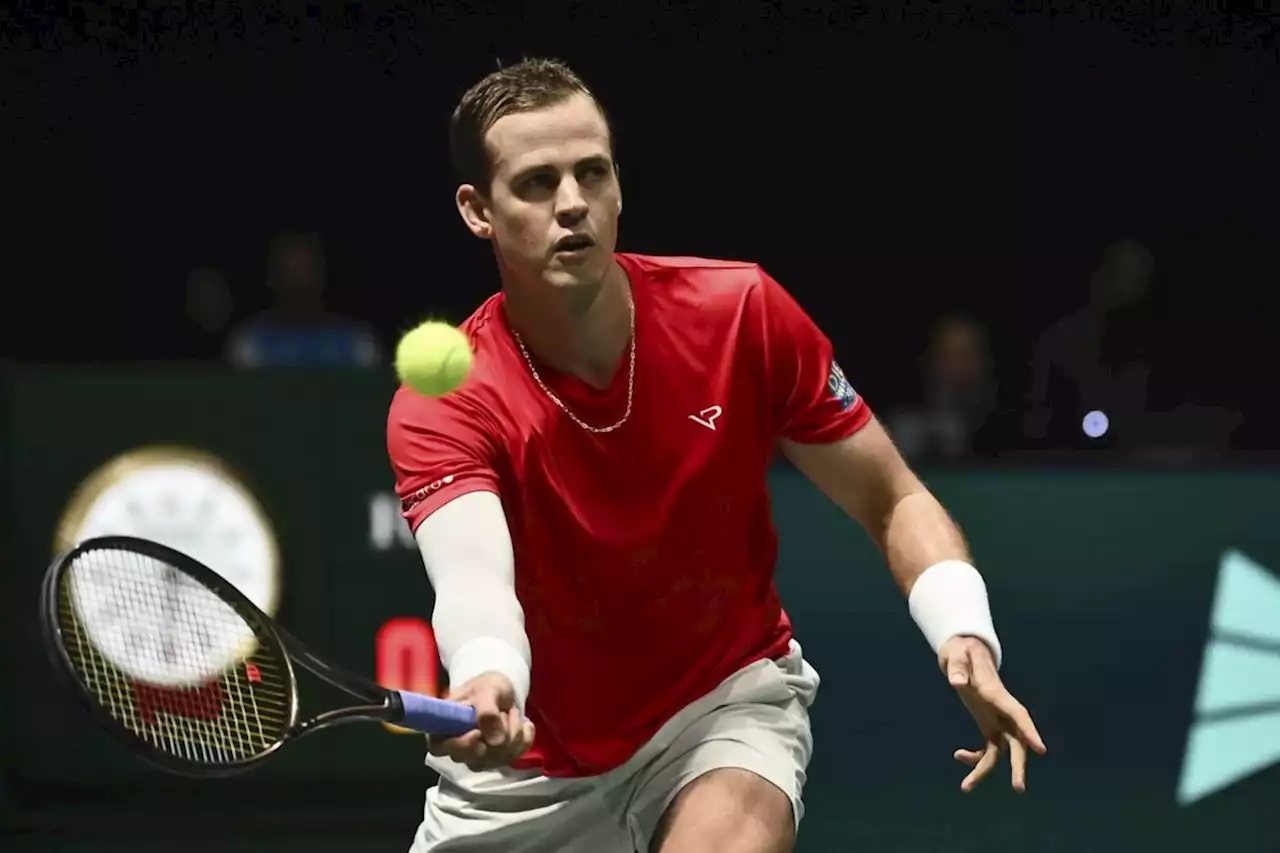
pixel 583 330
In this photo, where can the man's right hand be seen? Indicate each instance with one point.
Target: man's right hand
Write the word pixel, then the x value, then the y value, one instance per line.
pixel 501 734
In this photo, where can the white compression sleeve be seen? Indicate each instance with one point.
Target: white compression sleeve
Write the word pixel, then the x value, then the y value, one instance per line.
pixel 478 621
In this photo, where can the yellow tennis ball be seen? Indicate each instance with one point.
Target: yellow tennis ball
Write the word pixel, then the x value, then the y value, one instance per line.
pixel 434 358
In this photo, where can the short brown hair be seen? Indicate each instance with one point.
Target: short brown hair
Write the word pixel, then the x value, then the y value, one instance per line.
pixel 531 84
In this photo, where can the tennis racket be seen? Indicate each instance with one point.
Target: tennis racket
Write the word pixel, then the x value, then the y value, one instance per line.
pixel 178 664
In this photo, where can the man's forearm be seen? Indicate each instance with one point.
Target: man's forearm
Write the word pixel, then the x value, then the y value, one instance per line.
pixel 918 533
pixel 478 621
pixel 926 552
pixel 929 560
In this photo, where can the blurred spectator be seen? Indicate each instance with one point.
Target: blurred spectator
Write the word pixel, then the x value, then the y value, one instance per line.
pixel 1098 359
pixel 957 399
pixel 208 308
pixel 297 330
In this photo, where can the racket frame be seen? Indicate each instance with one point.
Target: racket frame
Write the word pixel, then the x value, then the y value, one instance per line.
pixel 380 704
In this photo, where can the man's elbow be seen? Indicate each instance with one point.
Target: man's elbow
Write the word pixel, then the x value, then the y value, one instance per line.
pixel 475 605
pixel 884 482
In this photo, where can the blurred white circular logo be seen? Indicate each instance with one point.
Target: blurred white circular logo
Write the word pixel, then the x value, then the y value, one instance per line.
pixel 190 501
pixel 1095 424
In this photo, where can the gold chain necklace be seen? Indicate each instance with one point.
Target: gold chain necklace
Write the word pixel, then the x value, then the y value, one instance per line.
pixel 631 379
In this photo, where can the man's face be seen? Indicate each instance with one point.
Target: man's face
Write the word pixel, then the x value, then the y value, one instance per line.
pixel 299 272
pixel 958 357
pixel 1124 277
pixel 552 207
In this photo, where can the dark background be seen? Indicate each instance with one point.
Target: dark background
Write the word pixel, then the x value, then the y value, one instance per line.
pixel 890 164
pixel 887 162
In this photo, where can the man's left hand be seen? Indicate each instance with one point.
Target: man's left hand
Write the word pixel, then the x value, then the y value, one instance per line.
pixel 1005 724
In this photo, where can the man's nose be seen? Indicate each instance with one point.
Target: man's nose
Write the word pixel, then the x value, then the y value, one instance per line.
pixel 571 204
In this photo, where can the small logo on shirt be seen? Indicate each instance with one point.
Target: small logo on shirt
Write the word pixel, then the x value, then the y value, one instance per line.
pixel 421 495
pixel 707 417
pixel 840 388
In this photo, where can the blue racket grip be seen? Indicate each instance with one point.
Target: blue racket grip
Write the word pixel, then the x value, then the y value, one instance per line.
pixel 433 716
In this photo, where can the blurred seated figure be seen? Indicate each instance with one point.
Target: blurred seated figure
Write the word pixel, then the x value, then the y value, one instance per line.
pixel 1098 360
pixel 208 308
pixel 953 416
pixel 297 330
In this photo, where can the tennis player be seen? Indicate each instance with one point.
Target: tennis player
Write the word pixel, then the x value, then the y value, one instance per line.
pixel 592 509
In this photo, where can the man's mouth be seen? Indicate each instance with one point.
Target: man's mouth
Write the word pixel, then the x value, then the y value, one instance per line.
pixel 574 243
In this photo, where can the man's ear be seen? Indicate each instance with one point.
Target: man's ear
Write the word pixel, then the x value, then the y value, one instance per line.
pixel 473 207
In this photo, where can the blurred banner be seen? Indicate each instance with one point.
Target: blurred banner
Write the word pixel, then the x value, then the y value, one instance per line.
pixel 1140 613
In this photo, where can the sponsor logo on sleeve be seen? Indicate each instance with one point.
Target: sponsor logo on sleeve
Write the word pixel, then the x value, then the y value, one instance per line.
pixel 839 388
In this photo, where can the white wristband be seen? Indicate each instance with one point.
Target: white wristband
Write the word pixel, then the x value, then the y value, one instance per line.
pixel 949 599
pixel 489 654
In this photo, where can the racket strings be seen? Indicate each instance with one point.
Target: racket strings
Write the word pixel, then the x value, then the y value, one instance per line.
pixel 171 661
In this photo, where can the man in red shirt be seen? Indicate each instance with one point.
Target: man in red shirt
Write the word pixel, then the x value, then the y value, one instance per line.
pixel 593 512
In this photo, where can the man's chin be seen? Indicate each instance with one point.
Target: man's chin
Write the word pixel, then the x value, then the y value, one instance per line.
pixel 585 275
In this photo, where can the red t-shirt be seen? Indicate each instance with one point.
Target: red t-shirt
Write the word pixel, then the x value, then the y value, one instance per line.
pixel 644 557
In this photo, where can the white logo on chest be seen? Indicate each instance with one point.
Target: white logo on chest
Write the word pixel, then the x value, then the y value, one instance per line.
pixel 707 417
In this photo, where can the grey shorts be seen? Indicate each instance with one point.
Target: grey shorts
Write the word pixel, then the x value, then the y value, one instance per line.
pixel 757 719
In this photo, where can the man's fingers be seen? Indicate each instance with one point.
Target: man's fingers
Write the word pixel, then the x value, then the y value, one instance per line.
pixel 958 668
pixel 989 758
pixel 1000 717
pixel 468 749
pixel 515 736
pixel 527 733
pixel 490 720
pixel 493 729
pixel 983 667
pixel 1015 720
pixel 1024 730
pixel 987 684
pixel 454 745
pixel 463 743
pixel 1018 763
pixel 500 735
pixel 517 743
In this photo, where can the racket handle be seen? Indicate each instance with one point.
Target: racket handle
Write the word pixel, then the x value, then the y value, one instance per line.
pixel 433 716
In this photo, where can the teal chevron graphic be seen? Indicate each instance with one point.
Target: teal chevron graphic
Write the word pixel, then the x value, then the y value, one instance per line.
pixel 1236 732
